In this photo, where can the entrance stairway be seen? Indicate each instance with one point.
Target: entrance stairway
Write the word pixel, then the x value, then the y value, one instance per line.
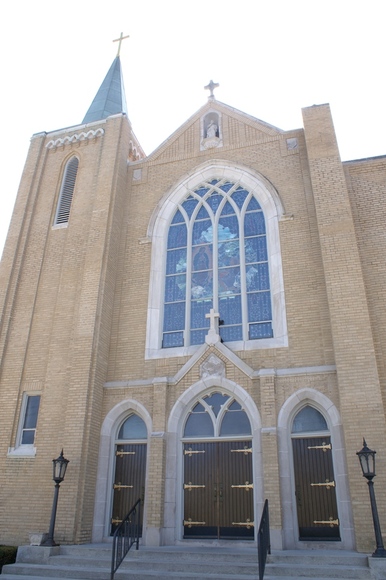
pixel 92 562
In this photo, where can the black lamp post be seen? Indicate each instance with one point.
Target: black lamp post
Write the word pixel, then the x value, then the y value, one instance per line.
pixel 59 468
pixel 367 460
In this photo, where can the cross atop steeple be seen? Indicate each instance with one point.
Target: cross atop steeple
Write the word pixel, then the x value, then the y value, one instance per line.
pixel 211 88
pixel 120 42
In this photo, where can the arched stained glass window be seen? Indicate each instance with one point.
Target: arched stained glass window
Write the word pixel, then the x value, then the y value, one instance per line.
pixel 309 420
pixel 217 415
pixel 217 258
pixel 66 191
pixel 133 428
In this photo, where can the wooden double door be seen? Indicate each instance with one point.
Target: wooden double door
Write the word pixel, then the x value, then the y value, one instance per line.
pixel 315 489
pixel 218 490
pixel 129 480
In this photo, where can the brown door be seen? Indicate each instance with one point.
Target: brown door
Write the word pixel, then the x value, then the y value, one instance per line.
pixel 218 490
pixel 129 480
pixel 315 489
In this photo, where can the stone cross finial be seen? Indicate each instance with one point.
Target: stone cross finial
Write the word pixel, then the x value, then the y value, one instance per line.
pixel 211 88
pixel 213 335
pixel 120 42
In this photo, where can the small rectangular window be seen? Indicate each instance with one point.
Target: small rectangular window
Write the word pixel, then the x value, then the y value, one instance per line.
pixel 30 419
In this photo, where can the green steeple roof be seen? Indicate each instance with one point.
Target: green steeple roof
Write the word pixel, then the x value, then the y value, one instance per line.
pixel 110 98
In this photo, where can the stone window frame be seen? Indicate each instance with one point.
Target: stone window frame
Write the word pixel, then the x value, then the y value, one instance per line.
pixel 158 233
pixel 25 449
pixel 66 193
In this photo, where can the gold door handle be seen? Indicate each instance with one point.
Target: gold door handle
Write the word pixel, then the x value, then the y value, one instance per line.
pixel 115 521
pixel 190 523
pixel 324 447
pixel 122 453
pixel 190 452
pixel 248 524
pixel 119 486
pixel 189 486
pixel 247 486
pixel 327 485
pixel 331 522
pixel 246 450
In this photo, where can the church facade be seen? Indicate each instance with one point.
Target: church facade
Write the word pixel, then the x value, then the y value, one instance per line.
pixel 202 328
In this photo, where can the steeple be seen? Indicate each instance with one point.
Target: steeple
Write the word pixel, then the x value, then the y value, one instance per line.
pixel 110 98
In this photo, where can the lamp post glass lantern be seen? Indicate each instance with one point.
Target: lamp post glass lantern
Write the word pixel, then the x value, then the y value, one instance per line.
pixel 367 462
pixel 59 466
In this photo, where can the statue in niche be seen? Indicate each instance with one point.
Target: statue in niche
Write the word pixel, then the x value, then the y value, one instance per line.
pixel 211 130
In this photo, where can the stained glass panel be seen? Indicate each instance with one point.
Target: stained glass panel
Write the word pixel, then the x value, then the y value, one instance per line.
pixel 178 218
pixel 173 339
pixel 214 201
pixel 256 249
pixel 257 277
pixel 198 336
pixel 177 237
pixel 228 209
pixel 202 232
pixel 239 196
pixel 262 330
pixel 309 420
pixel 174 316
pixel 175 288
pixel 202 258
pixel 229 333
pixel 228 281
pixel 259 306
pixel 254 224
pixel 189 205
pixel 228 228
pixel 253 204
pixel 199 425
pixel 230 310
pixel 235 423
pixel 226 186
pixel 133 428
pixel 202 213
pixel 176 261
pixel 229 254
pixel 216 401
pixel 199 308
pixel 202 284
pixel 201 191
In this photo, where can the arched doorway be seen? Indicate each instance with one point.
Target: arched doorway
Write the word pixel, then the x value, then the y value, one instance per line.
pixel 129 468
pixel 315 487
pixel 218 483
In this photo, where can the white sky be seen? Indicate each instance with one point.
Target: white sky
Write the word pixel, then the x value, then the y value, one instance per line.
pixel 271 58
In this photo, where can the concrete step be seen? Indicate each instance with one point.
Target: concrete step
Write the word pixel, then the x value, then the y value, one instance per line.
pixel 92 562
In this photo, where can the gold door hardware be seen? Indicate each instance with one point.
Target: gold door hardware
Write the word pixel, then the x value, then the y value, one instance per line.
pixel 248 524
pixel 122 453
pixel 327 485
pixel 324 447
pixel 331 522
pixel 115 521
pixel 246 450
pixel 190 452
pixel 119 486
pixel 190 523
pixel 189 486
pixel 247 486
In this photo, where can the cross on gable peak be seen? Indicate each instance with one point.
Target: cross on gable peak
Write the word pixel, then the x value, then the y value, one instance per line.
pixel 120 42
pixel 210 87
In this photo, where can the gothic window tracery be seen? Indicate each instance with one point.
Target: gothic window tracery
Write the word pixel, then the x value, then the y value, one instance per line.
pixel 217 258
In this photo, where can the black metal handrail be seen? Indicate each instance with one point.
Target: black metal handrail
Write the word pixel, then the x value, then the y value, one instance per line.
pixel 126 534
pixel 263 540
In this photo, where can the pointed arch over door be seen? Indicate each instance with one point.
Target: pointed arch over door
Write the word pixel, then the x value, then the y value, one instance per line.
pixel 218 475
pixel 327 414
pixel 315 486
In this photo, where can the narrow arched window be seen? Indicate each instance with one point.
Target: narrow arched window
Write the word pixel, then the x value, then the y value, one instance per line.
pixel 66 192
pixel 217 258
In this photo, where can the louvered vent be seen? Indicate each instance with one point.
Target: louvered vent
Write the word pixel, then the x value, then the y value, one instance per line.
pixel 66 192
